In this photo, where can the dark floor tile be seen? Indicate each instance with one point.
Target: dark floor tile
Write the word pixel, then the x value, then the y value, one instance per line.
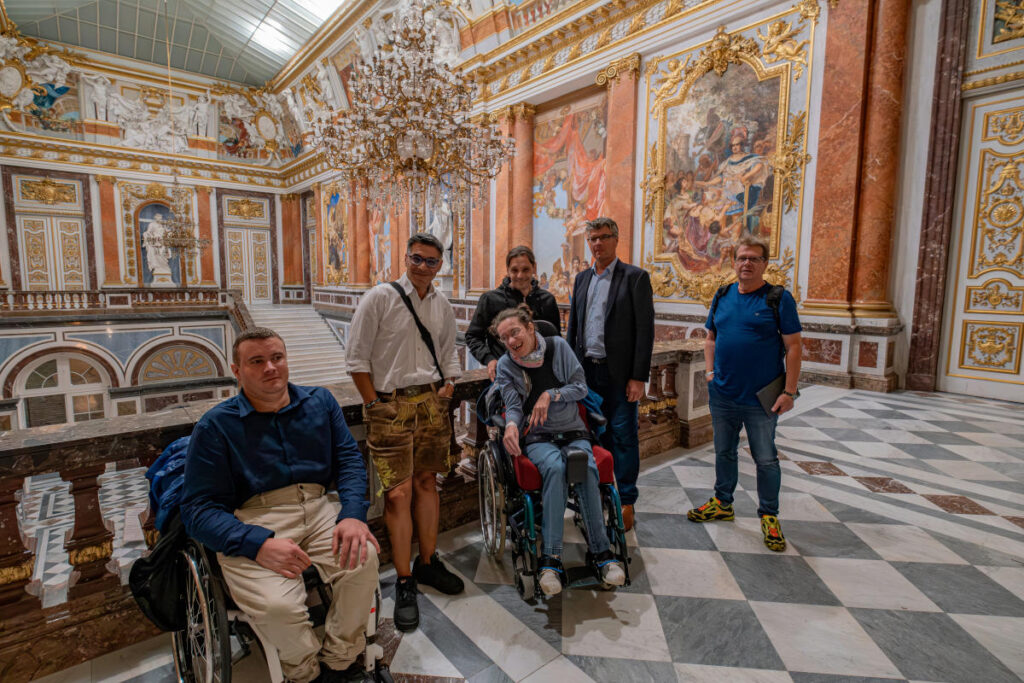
pixel 543 617
pixel 826 539
pixel 611 670
pixel 821 468
pixel 662 477
pixel 955 425
pixel 884 413
pixel 671 531
pixel 961 589
pixel 800 677
pixel 466 559
pixel 976 554
pixel 926 451
pixel 492 674
pixel 853 515
pixel 957 505
pixel 932 647
pixel 841 435
pixel 946 438
pixel 778 578
pixel 883 485
pixel 456 645
pixel 715 632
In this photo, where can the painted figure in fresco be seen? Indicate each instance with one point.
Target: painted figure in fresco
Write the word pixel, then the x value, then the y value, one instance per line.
pixel 157 255
pixel 441 226
pixel 742 176
pixel 712 136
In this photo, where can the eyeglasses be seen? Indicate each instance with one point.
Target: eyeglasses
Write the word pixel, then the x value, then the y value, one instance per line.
pixel 600 238
pixel 418 260
pixel 749 259
pixel 512 334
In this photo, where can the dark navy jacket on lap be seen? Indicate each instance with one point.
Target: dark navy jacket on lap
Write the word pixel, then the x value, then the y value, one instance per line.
pixel 748 348
pixel 237 452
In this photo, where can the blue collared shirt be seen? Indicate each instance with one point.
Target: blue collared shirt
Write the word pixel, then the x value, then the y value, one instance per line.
pixel 597 305
pixel 236 452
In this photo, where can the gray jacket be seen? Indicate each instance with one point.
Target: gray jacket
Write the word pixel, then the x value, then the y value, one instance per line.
pixel 563 415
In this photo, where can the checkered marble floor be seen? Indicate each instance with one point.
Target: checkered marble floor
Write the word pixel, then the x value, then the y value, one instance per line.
pixel 905 520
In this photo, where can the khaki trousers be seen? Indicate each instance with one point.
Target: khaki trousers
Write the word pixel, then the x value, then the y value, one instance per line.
pixel 277 605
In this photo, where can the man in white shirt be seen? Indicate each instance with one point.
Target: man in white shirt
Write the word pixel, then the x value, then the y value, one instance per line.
pixel 405 408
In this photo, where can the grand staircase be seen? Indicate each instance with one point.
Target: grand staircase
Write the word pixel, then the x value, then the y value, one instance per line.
pixel 315 355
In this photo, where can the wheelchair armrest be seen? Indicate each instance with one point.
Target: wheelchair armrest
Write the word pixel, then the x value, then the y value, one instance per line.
pixel 576 460
pixel 596 420
pixel 498 421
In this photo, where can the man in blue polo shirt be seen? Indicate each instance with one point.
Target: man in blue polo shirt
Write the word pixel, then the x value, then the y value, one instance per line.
pixel 743 353
pixel 256 474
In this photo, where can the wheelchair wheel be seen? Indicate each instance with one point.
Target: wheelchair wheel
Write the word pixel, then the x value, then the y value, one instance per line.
pixel 202 652
pixel 492 503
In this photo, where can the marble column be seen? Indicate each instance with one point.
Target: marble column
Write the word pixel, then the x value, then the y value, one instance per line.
pixel 480 238
pixel 400 236
pixel 108 232
pixel 937 221
pixel 360 234
pixel 880 161
pixel 521 228
pixel 837 185
pixel 291 235
pixel 622 80
pixel 206 233
pixel 503 189
pixel 318 227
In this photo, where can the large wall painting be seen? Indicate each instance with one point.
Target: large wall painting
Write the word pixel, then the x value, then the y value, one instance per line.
pixel 724 156
pixel 569 188
pixel 335 236
pixel 380 247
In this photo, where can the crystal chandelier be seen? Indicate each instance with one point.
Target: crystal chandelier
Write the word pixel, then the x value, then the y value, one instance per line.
pixel 408 132
pixel 179 236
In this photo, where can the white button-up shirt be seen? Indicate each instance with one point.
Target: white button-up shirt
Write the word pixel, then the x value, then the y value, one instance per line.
pixel 383 339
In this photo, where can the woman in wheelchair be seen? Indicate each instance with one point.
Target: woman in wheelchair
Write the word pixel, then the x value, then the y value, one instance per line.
pixel 541 382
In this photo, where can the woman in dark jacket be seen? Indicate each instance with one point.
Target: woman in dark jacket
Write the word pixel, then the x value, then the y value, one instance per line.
pixel 519 286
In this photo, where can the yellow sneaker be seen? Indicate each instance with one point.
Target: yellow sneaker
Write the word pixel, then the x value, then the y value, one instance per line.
pixel 773 537
pixel 711 511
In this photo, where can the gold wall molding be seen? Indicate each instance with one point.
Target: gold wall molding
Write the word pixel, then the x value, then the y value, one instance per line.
pixel 17 572
pixel 611 73
pixel 1006 126
pixel 90 553
pixel 780 44
pixel 994 80
pixel 996 296
pixel 997 242
pixel 990 347
pixel 47 191
pixel 790 160
pixel 243 207
pixel 668 284
pixel 1011 13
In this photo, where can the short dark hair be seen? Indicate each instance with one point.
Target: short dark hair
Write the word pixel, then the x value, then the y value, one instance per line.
pixel 252 333
pixel 753 241
pixel 516 252
pixel 603 222
pixel 424 238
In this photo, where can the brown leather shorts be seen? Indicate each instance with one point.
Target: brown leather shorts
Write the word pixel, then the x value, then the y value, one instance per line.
pixel 407 434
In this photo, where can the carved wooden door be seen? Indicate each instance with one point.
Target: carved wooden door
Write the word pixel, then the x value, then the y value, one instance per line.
pixel 984 312
pixel 248 262
pixel 52 252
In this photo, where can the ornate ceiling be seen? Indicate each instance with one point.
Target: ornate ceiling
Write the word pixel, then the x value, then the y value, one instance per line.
pixel 246 41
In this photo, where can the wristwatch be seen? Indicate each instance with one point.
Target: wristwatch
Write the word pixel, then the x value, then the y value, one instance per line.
pixel 708 375
pixel 792 396
pixel 556 395
pixel 367 406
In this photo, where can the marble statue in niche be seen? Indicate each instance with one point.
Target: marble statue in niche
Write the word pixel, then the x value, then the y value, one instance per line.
pixel 160 267
pixel 441 224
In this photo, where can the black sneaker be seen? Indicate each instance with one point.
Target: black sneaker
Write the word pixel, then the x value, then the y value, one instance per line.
pixel 355 673
pixel 436 575
pixel 407 612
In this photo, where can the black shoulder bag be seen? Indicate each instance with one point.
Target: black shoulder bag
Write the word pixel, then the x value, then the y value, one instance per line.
pixel 424 332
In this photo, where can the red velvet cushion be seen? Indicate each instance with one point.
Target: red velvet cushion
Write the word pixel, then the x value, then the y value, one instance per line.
pixel 529 477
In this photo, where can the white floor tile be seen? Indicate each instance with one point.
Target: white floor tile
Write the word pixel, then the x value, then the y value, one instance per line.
pixel 870 583
pixel 609 624
pixel 826 640
pixel 490 570
pixel 914 425
pixel 895 436
pixel 803 507
pixel 992 439
pixel 904 543
pixel 743 535
pixel 967 469
pixel 847 413
pixel 802 433
pixel 980 453
pixel 1000 635
pixel 1010 578
pixel 877 449
pixel 826 422
pixel 662 499
pixel 695 477
pixel 702 673
pixel 689 573
pixel 417 654
pixel 559 670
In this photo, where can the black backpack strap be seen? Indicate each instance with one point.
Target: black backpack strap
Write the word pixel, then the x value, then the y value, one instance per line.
pixel 424 332
pixel 774 299
pixel 719 293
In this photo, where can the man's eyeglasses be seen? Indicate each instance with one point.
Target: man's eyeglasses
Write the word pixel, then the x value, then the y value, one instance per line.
pixel 750 259
pixel 600 238
pixel 418 260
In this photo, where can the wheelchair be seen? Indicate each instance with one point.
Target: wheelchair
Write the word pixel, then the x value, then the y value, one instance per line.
pixel 203 650
pixel 509 489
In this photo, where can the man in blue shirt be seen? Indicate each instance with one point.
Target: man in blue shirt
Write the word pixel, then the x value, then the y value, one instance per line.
pixel 744 352
pixel 256 474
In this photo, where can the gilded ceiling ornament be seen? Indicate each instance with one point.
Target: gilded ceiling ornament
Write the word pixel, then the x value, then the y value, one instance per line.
pixel 809 9
pixel 613 71
pixel 246 208
pixel 49 192
pixel 1011 13
pixel 789 161
pixel 725 49
pixel 780 44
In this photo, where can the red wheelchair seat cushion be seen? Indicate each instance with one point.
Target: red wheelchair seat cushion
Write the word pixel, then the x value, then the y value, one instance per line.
pixel 529 479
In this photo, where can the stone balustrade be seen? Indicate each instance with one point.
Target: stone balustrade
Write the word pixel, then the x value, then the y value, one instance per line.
pixel 99 614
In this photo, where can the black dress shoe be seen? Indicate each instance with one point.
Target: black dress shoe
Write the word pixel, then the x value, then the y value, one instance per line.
pixel 436 575
pixel 407 612
pixel 355 673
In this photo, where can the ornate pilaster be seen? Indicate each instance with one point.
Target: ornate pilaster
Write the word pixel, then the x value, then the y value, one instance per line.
pixel 108 232
pixel 621 77
pixel 318 204
pixel 521 228
pixel 203 193
pixel 291 236
pixel 480 238
pixel 503 188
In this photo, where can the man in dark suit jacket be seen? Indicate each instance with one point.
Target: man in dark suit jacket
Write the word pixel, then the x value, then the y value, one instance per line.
pixel 611 329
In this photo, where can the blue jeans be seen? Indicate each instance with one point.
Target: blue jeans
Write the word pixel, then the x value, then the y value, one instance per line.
pixel 555 494
pixel 727 417
pixel 622 435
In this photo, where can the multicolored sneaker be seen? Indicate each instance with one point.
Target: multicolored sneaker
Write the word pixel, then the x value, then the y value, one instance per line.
pixel 711 511
pixel 773 537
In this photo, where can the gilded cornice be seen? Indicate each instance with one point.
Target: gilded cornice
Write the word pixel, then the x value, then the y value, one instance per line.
pixel 611 73
pixel 994 80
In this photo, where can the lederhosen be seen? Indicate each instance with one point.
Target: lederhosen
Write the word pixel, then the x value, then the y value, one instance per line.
pixel 542 379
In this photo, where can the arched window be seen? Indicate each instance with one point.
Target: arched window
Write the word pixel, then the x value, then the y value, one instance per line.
pixel 61 389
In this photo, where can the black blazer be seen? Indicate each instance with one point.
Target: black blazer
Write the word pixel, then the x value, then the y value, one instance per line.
pixel 628 325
